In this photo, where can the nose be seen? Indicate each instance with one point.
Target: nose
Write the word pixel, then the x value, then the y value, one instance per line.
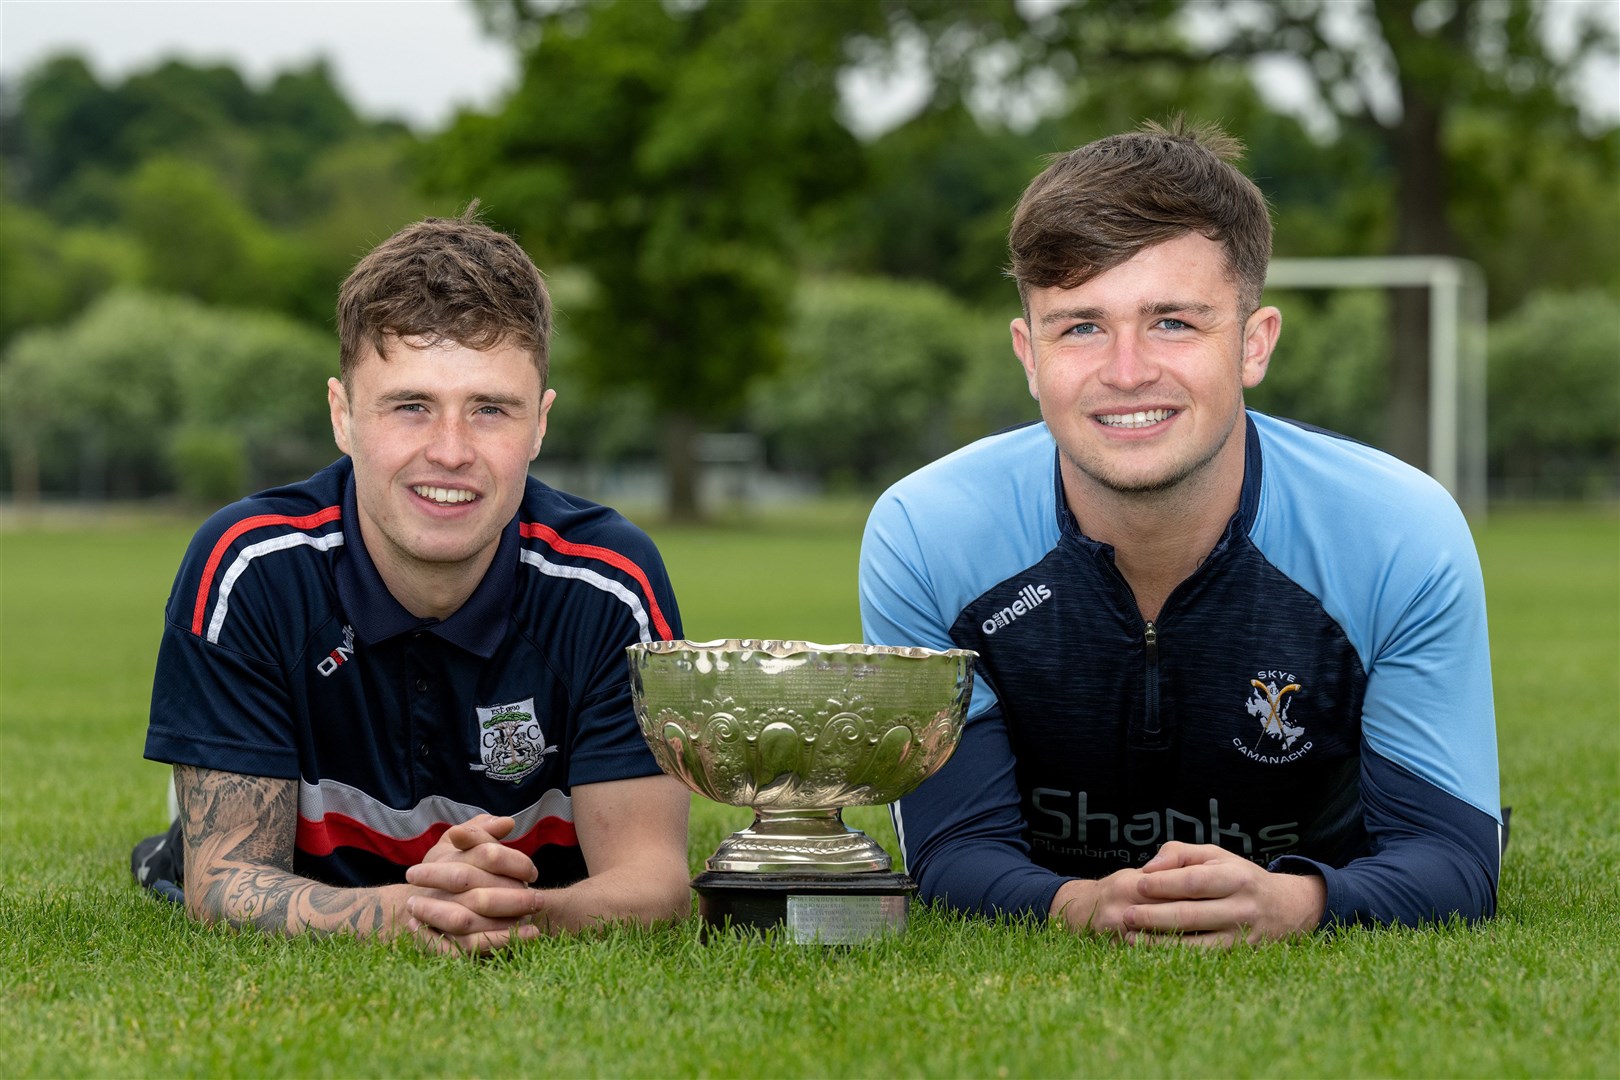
pixel 450 446
pixel 1129 364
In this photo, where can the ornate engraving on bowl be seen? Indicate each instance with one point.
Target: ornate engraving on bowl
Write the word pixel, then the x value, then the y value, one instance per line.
pixel 798 731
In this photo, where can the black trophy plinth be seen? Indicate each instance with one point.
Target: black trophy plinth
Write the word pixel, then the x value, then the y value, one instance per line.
pixel 827 909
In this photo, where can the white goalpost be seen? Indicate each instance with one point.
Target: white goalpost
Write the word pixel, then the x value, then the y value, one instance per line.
pixel 1456 351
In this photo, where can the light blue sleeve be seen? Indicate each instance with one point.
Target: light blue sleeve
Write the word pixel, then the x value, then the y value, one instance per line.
pixel 932 544
pixel 1390 557
pixel 941 537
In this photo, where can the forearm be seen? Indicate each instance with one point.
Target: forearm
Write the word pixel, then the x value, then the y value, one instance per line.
pixel 963 831
pixel 632 833
pixel 985 877
pixel 239 862
pixel 1414 884
pixel 278 901
pixel 641 895
pixel 1433 856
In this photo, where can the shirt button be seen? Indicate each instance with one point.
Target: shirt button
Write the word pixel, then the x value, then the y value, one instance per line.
pixel 421 686
pixel 421 750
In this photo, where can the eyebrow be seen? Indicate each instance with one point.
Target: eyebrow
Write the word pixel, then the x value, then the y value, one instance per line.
pixel 1161 307
pixel 399 397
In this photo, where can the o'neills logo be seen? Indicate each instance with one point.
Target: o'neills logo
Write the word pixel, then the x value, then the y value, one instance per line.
pixel 338 656
pixel 1275 743
pixel 1029 598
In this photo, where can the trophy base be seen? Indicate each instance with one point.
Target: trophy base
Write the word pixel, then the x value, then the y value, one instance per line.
pixel 812 909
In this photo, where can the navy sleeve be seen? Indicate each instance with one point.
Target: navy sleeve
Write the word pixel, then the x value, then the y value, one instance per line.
pixel 220 700
pixel 215 708
pixel 608 744
pixel 962 831
pixel 1433 856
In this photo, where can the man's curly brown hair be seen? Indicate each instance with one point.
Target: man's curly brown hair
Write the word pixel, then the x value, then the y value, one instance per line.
pixel 444 280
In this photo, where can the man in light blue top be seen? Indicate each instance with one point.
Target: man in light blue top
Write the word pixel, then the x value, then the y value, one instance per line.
pixel 1235 677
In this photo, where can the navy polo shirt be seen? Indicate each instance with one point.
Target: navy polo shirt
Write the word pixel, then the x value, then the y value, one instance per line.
pixel 284 655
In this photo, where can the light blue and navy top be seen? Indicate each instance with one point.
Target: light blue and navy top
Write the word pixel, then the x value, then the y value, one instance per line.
pixel 1315 697
pixel 285 655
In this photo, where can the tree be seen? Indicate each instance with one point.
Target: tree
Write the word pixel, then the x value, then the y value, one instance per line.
pixel 144 390
pixel 934 204
pixel 198 239
pixel 1555 388
pixel 192 181
pixel 1444 62
pixel 670 151
pixel 865 396
pixel 51 272
pixel 69 136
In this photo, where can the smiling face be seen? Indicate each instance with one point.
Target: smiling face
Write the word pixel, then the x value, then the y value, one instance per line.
pixel 441 439
pixel 1140 371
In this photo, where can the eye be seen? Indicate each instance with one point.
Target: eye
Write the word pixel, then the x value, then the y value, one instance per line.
pixel 491 410
pixel 412 407
pixel 1168 323
pixel 1084 329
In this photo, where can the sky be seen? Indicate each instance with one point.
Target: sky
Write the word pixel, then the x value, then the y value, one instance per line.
pixel 416 60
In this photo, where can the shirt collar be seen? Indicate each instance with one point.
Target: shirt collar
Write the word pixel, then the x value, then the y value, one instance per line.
pixel 477 626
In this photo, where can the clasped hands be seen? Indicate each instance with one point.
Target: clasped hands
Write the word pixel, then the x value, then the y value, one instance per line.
pixel 1194 894
pixel 471 893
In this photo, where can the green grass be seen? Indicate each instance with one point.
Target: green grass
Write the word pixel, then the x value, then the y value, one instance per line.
pixel 100 981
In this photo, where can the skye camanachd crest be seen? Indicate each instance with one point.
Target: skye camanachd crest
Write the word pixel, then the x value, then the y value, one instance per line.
pixel 510 741
pixel 1270 705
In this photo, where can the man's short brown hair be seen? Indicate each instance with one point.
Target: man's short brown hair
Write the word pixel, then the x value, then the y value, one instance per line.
pixel 1095 207
pixel 444 280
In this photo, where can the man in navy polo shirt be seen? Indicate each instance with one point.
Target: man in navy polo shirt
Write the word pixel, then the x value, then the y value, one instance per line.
pixel 395 695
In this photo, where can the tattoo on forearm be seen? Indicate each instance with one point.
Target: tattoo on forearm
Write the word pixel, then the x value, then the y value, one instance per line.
pixel 239 833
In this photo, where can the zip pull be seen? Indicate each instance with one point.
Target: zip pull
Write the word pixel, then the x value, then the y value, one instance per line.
pixel 1150 640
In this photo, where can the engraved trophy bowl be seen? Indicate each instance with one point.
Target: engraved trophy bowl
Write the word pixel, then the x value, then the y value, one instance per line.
pixel 797 731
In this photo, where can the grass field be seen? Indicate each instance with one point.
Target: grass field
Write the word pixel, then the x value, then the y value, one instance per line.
pixel 98 980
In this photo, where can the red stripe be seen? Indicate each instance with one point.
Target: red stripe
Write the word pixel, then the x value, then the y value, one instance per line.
pixel 331 513
pixel 341 831
pixel 536 531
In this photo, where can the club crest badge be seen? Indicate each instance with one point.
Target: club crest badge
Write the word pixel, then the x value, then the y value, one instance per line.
pixel 1278 741
pixel 510 741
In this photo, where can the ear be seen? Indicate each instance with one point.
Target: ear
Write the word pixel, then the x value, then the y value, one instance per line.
pixel 1259 339
pixel 540 429
pixel 337 402
pixel 1024 349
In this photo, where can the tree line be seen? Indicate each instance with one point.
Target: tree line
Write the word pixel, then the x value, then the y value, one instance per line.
pixel 727 254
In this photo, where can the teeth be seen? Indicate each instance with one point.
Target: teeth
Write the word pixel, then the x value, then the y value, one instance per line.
pixel 445 495
pixel 1136 419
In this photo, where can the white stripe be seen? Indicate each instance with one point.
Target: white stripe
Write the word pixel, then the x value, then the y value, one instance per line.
pixel 899 830
pixel 324 542
pixel 591 577
pixel 315 801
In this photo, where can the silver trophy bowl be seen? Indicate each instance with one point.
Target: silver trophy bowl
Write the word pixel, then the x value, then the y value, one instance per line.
pixel 797 731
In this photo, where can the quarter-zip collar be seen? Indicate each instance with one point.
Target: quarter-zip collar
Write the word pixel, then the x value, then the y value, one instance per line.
pixel 1239 525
